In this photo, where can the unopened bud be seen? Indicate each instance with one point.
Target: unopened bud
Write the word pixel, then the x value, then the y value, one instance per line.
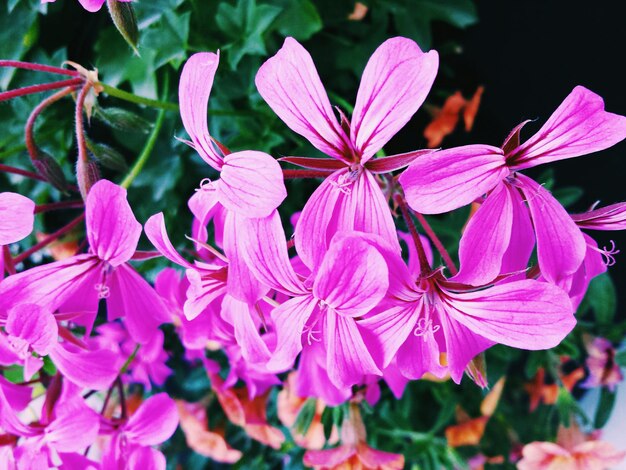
pixel 123 120
pixel 48 167
pixel 107 156
pixel 124 19
pixel 477 370
pixel 87 174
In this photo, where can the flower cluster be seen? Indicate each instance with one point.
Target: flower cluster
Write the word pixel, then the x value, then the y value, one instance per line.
pixel 354 297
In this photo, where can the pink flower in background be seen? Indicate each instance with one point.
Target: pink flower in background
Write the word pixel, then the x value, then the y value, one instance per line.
pixel 517 209
pixel 604 371
pixel 89 5
pixel 76 285
pixel 17 216
pixel 395 83
pixel 572 451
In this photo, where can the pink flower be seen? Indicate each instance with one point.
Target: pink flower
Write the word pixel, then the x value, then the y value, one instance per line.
pixel 89 5
pixel 395 82
pixel 572 451
pixel 76 285
pixel 517 209
pixel 17 214
pixel 604 371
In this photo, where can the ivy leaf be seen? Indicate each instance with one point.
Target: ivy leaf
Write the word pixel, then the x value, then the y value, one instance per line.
pixel 605 407
pixel 245 23
pixel 168 39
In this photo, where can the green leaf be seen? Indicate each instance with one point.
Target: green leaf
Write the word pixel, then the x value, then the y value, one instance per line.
pixel 602 298
pixel 305 416
pixel 605 407
pixel 568 195
pixel 48 366
pixel 168 39
pixel 327 421
pixel 620 358
pixel 300 19
pixel 18 32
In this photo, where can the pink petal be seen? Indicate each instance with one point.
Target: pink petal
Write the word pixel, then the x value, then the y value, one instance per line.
pixel 289 320
pixel 239 314
pixel 251 184
pixel 394 84
pixel 522 241
pixel 523 314
pixel 204 289
pixel 241 283
pixel 348 360
pixel 17 396
pixel 204 205
pixel 134 299
pixel 611 217
pixel 32 365
pixel 194 89
pixel 154 422
pixel 17 215
pixel 289 83
pixel 353 276
pixel 328 458
pixel 147 458
pixel 579 126
pixel 33 324
pixel 49 285
pixel 10 422
pixel 74 428
pixel 561 247
pixel 486 239
pixel 91 5
pixel 418 355
pixel 88 369
pixel 157 234
pixel 112 229
pixel 446 180
pixel 264 248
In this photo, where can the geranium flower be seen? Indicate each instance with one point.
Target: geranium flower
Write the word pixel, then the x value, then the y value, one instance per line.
pixel 395 83
pixel 89 5
pixel 604 371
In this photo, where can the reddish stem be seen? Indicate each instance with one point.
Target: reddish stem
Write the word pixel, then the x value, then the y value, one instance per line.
pixel 421 253
pixel 38 67
pixel 53 206
pixel 80 128
pixel 19 171
pixel 293 174
pixel 435 239
pixel 49 239
pixel 120 388
pixel 31 146
pixel 9 266
pixel 29 90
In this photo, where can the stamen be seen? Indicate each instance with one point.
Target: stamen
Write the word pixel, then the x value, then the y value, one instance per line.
pixel 103 291
pixel 608 254
pixel 206 185
pixel 344 182
pixel 425 328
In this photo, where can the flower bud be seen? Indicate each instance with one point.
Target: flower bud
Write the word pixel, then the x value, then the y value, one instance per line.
pixel 48 167
pixel 125 21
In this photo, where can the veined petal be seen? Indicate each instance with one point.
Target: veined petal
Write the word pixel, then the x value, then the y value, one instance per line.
pixel 241 283
pixel 311 233
pixel 157 234
pixel 289 320
pixel 251 184
pixel 394 84
pixel 74 428
pixel 522 241
pixel 204 204
pixel 263 246
pixel 33 324
pixel 196 81
pixel 134 299
pixel 579 126
pixel 154 422
pixel 524 314
pixel 561 247
pixel 419 355
pixel 486 239
pixel 49 285
pixel 17 214
pixel 112 229
pixel 204 288
pixel 9 420
pixel 446 180
pixel 147 458
pixel 89 369
pixel 289 83
pixel 348 360
pixel 353 276
pixel 611 217
pixel 238 314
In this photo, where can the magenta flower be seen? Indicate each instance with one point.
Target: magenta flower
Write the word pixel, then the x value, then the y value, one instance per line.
pixel 395 82
pixel 18 216
pixel 74 286
pixel 350 280
pixel 517 209
pixel 89 5
pixel 424 317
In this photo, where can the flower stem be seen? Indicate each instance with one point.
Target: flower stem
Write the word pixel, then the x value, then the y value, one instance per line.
pixel 435 239
pixel 83 156
pixel 9 266
pixel 49 239
pixel 19 171
pixel 425 269
pixel 145 153
pixel 29 90
pixel 126 96
pixel 54 206
pixel 38 67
